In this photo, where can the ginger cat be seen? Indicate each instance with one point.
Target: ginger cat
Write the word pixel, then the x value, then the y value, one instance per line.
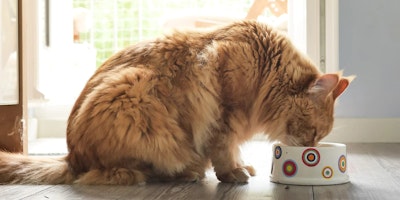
pixel 165 109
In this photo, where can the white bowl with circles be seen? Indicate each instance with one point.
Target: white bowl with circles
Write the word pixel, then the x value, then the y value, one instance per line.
pixel 325 164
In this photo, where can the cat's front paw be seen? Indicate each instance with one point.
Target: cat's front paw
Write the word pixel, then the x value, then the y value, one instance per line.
pixel 251 170
pixel 190 176
pixel 238 175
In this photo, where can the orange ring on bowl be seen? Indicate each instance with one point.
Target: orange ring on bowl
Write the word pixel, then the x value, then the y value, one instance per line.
pixel 342 164
pixel 327 172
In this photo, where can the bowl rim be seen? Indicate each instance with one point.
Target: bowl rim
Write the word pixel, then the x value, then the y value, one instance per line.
pixel 320 145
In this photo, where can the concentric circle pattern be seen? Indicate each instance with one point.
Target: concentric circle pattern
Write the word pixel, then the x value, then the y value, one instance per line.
pixel 311 157
pixel 327 172
pixel 342 163
pixel 289 168
pixel 278 152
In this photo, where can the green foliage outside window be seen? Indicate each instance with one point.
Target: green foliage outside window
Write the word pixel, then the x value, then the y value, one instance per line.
pixel 119 23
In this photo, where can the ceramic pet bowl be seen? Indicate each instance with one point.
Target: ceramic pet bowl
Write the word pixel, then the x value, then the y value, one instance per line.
pixel 324 164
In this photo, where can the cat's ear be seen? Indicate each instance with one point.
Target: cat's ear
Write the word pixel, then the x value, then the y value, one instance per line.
pixel 325 84
pixel 342 85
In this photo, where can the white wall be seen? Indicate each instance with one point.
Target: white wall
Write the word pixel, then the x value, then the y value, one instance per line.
pixel 369 47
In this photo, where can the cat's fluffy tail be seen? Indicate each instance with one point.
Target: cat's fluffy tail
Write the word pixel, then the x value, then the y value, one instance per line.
pixel 20 169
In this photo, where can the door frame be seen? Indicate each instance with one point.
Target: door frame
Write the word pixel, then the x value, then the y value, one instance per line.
pixel 30 43
pixel 319 39
pixel 12 115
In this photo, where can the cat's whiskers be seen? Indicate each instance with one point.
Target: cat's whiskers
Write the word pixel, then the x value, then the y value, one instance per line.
pixel 293 141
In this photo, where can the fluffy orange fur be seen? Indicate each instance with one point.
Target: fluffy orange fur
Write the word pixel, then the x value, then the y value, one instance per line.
pixel 167 108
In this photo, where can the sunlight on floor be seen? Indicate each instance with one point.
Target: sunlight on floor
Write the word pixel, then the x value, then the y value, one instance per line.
pixel 47 146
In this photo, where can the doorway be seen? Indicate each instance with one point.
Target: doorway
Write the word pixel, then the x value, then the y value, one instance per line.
pixel 73 37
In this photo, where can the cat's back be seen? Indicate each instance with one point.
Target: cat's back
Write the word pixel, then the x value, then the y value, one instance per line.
pixel 176 60
pixel 166 68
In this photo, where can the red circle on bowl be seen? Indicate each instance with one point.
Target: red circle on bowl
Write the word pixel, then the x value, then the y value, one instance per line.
pixel 289 168
pixel 310 157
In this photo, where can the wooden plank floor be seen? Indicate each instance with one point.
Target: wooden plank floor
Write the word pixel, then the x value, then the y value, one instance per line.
pixel 373 170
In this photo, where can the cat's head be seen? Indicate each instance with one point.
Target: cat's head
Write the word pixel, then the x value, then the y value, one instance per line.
pixel 311 117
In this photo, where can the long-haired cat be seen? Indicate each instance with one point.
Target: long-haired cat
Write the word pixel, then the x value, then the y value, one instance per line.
pixel 167 108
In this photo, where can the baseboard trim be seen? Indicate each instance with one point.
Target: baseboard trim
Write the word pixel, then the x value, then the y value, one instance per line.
pixel 345 130
pixel 365 130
